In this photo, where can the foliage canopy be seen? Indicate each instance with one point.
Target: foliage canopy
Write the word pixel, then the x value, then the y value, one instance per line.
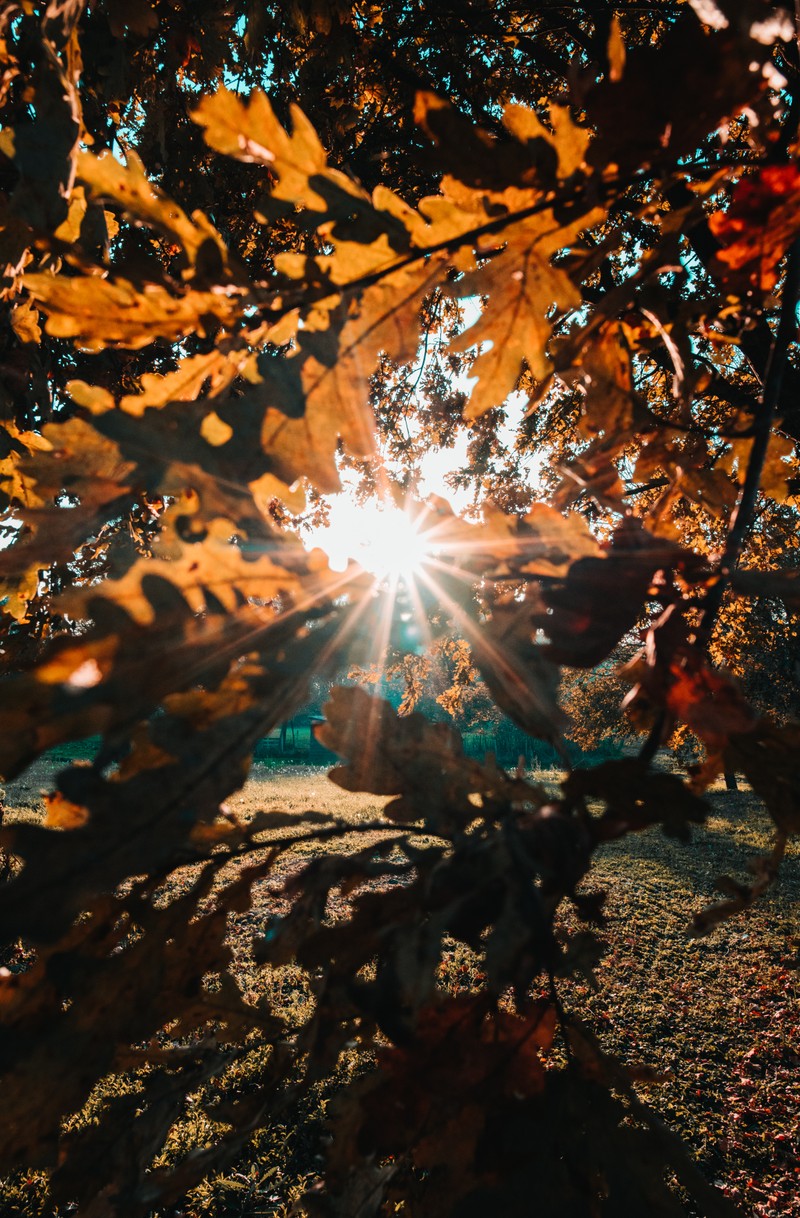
pixel 247 246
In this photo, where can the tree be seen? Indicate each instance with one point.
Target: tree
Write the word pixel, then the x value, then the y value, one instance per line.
pixel 229 234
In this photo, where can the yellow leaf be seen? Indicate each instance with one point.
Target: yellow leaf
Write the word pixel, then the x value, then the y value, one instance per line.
pixel 91 464
pixel 325 380
pixel 268 487
pixel 92 397
pixel 523 287
pixel 15 479
pixel 103 313
pixel 779 466
pixel 603 370
pixel 70 230
pixel 249 131
pixel 214 567
pixel 25 322
pixel 556 541
pixel 213 370
pixel 128 186
pixel 712 489
pixel 569 142
pixel 17 593
pixel 214 430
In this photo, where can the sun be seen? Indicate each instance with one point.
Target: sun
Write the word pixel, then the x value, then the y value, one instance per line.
pixel 386 541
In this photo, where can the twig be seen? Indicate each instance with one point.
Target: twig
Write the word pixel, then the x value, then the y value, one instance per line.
pixel 655 738
pixel 743 514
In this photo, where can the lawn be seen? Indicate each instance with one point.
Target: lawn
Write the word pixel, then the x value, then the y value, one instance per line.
pixel 718 1018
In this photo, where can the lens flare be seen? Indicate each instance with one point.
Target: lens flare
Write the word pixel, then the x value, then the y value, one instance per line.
pixel 386 541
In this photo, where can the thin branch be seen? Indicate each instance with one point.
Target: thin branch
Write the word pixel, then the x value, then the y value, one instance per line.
pixel 551 199
pixel 657 735
pixel 268 295
pixel 652 485
pixel 742 518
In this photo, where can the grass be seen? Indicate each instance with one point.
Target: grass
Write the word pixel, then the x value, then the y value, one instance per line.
pixel 718 1018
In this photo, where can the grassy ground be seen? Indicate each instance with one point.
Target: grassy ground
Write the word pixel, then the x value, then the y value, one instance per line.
pixel 718 1017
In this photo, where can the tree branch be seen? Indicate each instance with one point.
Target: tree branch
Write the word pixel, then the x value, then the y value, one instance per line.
pixel 743 514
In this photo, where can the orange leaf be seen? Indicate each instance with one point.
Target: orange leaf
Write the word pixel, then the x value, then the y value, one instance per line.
pixel 757 228
pixel 707 702
pixel 62 813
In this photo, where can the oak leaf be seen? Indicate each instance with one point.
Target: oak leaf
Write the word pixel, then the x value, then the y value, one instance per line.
pixel 520 674
pixel 214 567
pixel 100 313
pixel 524 288
pixel 419 762
pixel 758 227
pixel 128 186
pixel 605 375
pixel 17 592
pixel 25 322
pixel 320 391
pixel 213 370
pixel 250 131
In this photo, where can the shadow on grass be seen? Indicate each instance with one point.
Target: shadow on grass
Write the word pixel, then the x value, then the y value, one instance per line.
pixel 737 830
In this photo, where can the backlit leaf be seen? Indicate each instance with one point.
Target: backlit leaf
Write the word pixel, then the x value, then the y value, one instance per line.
pixel 101 313
pixel 214 566
pixel 758 226
pixel 251 132
pixel 214 371
pixel 25 322
pixel 128 186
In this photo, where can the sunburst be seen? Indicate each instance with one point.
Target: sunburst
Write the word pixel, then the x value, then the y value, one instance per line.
pixel 391 543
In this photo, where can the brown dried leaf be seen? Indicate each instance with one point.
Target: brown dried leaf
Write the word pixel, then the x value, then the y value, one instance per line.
pixel 637 797
pixel 420 762
pixel 520 675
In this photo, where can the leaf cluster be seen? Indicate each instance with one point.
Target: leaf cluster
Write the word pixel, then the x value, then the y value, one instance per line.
pixel 227 235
